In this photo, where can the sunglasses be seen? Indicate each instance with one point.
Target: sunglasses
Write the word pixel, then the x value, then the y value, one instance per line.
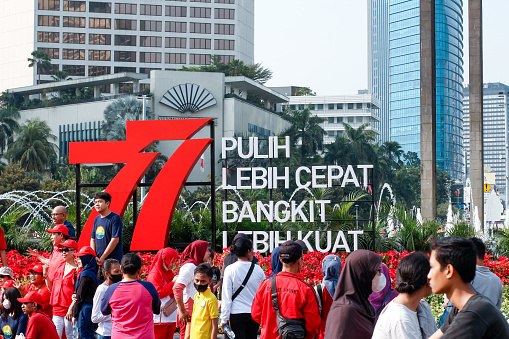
pixel 67 249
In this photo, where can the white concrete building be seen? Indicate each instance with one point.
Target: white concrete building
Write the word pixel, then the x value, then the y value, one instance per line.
pixel 354 110
pixel 90 38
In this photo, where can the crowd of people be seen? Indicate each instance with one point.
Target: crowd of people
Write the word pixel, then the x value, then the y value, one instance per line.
pixel 96 292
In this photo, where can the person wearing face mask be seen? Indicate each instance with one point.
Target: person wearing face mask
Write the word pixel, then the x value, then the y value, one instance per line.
pixel 184 291
pixel 85 289
pixel 241 280
pixel 14 321
pixel 162 277
pixel 331 268
pixel 37 284
pixel 380 299
pixel 111 274
pixel 400 320
pixel 131 302
pixel 205 313
pixel 351 315
pixel 296 299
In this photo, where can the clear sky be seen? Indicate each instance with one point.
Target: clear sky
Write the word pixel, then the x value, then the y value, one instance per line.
pixel 322 44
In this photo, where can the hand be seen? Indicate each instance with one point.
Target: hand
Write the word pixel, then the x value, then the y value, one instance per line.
pixel 17 284
pixel 45 269
pixel 33 253
pixel 222 326
pixel 219 306
pixel 74 298
pixel 175 278
pixel 184 317
pixel 74 320
pixel 99 261
pixel 69 316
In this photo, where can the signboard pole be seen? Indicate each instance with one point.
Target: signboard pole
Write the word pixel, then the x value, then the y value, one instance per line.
pixel 373 207
pixel 78 201
pixel 213 184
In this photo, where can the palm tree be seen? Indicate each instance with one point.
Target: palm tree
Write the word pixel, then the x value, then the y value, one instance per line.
pixel 60 76
pixel 117 113
pixel 8 124
pixel 32 146
pixel 40 59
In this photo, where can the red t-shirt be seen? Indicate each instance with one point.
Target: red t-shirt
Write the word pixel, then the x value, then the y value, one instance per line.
pixel 40 326
pixel 62 290
pixel 45 294
pixel 3 245
pixel 55 260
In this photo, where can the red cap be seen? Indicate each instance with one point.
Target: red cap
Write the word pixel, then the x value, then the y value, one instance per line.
pixel 8 284
pixel 70 243
pixel 31 297
pixel 85 250
pixel 59 229
pixel 36 268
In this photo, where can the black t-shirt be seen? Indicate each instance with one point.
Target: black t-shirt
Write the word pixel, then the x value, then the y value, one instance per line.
pixel 479 319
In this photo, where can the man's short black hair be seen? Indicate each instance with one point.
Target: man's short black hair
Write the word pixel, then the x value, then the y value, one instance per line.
pixel 458 252
pixel 480 247
pixel 63 235
pixel 131 263
pixel 205 269
pixel 103 195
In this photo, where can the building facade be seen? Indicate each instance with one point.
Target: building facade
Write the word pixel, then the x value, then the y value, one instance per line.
pixel 353 110
pixel 495 132
pixel 403 120
pixel 90 38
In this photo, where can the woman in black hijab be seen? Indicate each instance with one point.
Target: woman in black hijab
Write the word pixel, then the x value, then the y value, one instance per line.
pixel 351 315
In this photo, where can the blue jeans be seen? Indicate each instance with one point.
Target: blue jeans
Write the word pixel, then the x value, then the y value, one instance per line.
pixel 98 336
pixel 85 324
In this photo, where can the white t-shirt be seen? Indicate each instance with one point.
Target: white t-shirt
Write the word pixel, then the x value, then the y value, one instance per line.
pixel 234 276
pixel 186 278
pixel 161 318
pixel 397 322
pixel 104 321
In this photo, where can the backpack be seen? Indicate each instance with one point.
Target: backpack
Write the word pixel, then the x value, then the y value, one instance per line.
pixel 288 328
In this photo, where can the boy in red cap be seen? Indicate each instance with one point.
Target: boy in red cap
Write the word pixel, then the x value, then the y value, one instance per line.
pixel 39 324
pixel 37 284
pixel 59 234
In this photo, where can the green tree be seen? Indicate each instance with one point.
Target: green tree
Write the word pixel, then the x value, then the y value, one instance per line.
pixel 32 146
pixel 40 59
pixel 16 178
pixel 60 76
pixel 304 91
pixel 117 113
pixel 9 116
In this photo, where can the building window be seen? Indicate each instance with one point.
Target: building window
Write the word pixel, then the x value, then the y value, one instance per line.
pixel 319 106
pixel 99 7
pixel 224 45
pixel 48 36
pixel 98 70
pixel 224 1
pixel 350 106
pixel 124 24
pixel 175 58
pixel 125 69
pixel 178 11
pixel 198 27
pixel 50 70
pixel 207 1
pixel 75 6
pixel 151 10
pixel 149 25
pixel 225 29
pixel 359 119
pixel 330 133
pixel 224 13
pixel 53 53
pixel 125 40
pixel 200 12
pixel 195 43
pixel 226 58
pixel 339 106
pixel 76 70
pixel 125 56
pixel 154 57
pixel 350 119
pixel 359 105
pixel 125 9
pixel 330 106
pixel 99 23
pixel 74 38
pixel 48 20
pixel 49 5
pixel 74 21
pixel 177 27
pixel 340 119
pixel 259 131
pixel 73 54
pixel 99 55
pixel 175 42
pixel 99 39
pixel 330 120
pixel 199 59
pixel 301 107
pixel 150 41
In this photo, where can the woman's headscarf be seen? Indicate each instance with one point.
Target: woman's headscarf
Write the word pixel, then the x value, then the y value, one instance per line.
pixel 276 264
pixel 162 262
pixel 351 305
pixel 195 252
pixel 89 269
pixel 377 298
pixel 331 268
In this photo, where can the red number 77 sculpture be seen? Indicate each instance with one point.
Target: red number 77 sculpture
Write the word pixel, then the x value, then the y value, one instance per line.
pixel 153 225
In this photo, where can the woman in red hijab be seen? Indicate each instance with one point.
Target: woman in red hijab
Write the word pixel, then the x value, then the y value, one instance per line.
pixel 162 277
pixel 196 253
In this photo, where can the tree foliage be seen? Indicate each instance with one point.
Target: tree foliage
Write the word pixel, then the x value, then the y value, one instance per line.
pixel 117 113
pixel 16 178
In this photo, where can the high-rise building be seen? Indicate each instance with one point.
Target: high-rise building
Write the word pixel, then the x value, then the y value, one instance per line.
pixel 403 96
pixel 495 131
pixel 87 38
